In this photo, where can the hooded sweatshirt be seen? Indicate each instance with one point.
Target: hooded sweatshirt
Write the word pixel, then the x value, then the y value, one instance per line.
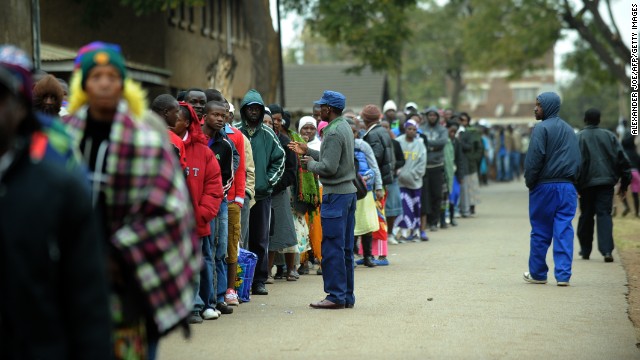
pixel 415 159
pixel 268 154
pixel 554 154
pixel 436 137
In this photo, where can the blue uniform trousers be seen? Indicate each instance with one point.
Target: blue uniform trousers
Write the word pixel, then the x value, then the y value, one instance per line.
pixel 552 207
pixel 337 215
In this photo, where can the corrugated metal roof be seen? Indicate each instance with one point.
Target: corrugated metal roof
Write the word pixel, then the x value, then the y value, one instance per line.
pixel 304 84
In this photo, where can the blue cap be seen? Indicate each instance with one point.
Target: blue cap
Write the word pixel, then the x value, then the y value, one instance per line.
pixel 333 99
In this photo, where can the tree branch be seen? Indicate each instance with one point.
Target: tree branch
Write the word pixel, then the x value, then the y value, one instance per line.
pixel 622 52
pixel 603 53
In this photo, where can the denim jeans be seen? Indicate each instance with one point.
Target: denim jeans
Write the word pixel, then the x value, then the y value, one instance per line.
pixel 204 281
pixel 220 236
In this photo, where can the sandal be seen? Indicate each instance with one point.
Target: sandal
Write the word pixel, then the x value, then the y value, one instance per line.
pixel 291 277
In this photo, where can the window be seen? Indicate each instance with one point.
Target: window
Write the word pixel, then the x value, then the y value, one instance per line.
pixel 525 95
pixel 476 95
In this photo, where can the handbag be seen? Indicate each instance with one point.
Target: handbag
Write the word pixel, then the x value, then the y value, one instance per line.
pixel 359 183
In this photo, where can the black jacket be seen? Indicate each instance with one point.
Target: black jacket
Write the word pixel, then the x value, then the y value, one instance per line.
pixel 380 141
pixel 472 149
pixel 603 160
pixel 629 148
pixel 399 155
pixel 54 299
pixel 289 176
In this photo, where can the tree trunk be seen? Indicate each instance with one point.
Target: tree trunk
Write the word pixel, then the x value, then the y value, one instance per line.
pixel 458 86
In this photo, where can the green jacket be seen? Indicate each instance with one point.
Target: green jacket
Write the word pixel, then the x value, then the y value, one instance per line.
pixel 268 154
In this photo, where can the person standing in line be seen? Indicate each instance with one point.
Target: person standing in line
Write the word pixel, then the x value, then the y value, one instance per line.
pixel 431 197
pixel 393 205
pixel 551 171
pixel 603 164
pixel 334 163
pixel 410 181
pixel 269 159
pixel 167 108
pixel 472 149
pixel 634 158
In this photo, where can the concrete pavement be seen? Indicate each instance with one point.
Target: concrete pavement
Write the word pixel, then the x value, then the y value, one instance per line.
pixel 458 296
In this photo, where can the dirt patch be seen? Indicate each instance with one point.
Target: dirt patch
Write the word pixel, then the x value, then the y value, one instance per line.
pixel 626 233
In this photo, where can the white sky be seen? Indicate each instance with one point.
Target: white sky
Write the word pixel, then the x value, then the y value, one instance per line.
pixel 292 26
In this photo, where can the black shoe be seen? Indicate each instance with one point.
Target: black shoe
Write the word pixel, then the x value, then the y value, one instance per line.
pixel 303 270
pixel 369 261
pixel 583 255
pixel 319 271
pixel 608 257
pixel 224 308
pixel 433 228
pixel 195 318
pixel 259 289
pixel 349 306
pixel 454 222
pixel 279 273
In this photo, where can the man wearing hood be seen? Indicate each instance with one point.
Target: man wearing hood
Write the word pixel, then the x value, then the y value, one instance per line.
pixel 436 137
pixel 268 158
pixel 552 167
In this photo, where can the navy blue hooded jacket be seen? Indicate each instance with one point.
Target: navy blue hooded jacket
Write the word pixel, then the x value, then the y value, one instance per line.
pixel 554 154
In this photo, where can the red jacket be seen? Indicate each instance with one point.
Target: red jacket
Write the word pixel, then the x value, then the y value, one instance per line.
pixel 236 192
pixel 203 178
pixel 179 145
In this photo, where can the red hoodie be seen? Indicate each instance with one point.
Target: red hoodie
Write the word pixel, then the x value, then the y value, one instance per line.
pixel 203 176
pixel 236 192
pixel 179 145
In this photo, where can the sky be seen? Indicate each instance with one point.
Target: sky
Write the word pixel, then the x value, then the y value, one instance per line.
pixel 292 26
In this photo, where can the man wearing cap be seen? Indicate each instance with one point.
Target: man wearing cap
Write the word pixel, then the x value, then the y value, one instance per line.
pixel 269 161
pixel 141 195
pixel 54 302
pixel 334 164
pixel 389 110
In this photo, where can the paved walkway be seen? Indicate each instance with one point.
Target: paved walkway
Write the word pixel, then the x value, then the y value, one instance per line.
pixel 458 296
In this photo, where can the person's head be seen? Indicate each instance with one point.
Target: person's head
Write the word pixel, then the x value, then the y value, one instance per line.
pixel 215 115
pixel 186 116
pixel 276 116
pixel 252 108
pixel 416 117
pixel 166 106
pixel 389 110
pixel 180 96
pixel 370 114
pixel 197 99
pixel 410 107
pixel 592 117
pixel 286 120
pixel 100 81
pixel 316 113
pixel 214 95
pixel 432 116
pixel 267 119
pixel 231 113
pixel 447 114
pixel 452 128
pixel 354 128
pixel 465 119
pixel 307 128
pixel 410 129
pixel 48 95
pixel 331 105
pixel 65 88
pixel 385 124
pixel 547 106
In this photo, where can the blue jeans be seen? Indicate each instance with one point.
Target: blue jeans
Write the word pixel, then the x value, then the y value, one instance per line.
pixel 220 237
pixel 204 280
pixel 337 215
pixel 552 207
pixel 515 163
pixel 503 170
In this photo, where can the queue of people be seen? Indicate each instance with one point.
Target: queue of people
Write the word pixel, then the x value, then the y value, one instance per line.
pixel 143 210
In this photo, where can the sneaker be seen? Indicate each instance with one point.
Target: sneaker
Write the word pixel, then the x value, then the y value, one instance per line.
pixel 194 318
pixel 360 261
pixel 433 228
pixel 269 280
pixel 528 278
pixel 231 298
pixel 210 314
pixel 382 261
pixel 392 240
pixel 563 283
pixel 224 308
pixel 423 236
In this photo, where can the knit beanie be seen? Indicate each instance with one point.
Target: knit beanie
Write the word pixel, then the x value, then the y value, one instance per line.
pixel 389 105
pixel 99 53
pixel 370 113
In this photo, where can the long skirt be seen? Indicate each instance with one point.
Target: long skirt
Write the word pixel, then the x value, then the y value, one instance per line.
pixel 379 244
pixel 283 232
pixel 409 222
pixel 315 231
pixel 393 206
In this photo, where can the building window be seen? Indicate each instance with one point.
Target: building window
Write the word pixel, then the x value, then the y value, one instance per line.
pixel 476 95
pixel 525 95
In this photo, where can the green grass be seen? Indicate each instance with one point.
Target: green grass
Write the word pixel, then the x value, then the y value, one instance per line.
pixel 626 232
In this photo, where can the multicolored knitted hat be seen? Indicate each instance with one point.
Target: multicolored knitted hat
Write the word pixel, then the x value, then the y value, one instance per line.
pixel 99 53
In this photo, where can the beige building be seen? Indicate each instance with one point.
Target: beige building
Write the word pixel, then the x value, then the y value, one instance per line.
pixel 229 45
pixel 500 100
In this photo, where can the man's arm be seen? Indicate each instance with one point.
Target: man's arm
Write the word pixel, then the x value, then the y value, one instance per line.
pixel 438 143
pixel 332 151
pixel 535 156
pixel 276 165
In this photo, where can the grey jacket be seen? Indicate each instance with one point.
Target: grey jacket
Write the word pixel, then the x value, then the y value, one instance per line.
pixel 436 137
pixel 415 157
pixel 334 163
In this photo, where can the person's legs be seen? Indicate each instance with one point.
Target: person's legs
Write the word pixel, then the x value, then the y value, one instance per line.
pixel 367 240
pixel 541 215
pixel 464 197
pixel 335 249
pixel 424 201
pixel 222 234
pixel 636 203
pixel 233 244
pixel 244 225
pixel 585 221
pixel 565 198
pixel 205 278
pixel 259 218
pixel 603 205
pixel 436 178
pixel 350 205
